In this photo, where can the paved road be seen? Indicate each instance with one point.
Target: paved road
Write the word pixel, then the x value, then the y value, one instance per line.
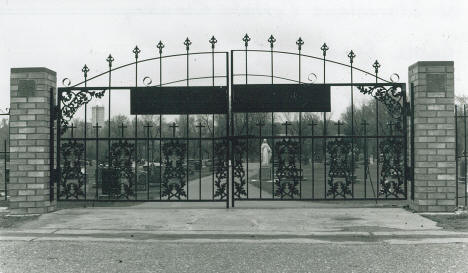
pixel 253 256
pixel 307 237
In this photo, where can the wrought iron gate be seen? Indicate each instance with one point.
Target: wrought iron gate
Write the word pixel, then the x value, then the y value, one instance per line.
pixel 177 147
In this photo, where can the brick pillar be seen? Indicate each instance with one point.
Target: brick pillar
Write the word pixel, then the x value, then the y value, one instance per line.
pixel 434 136
pixel 30 140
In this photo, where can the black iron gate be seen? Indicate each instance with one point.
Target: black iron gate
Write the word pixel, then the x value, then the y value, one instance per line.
pixel 237 134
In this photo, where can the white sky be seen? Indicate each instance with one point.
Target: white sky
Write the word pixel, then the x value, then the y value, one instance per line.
pixel 63 35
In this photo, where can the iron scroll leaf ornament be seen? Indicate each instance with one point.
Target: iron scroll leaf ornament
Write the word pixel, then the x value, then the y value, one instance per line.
pixel 72 100
pixel 72 177
pixel 341 168
pixel 392 175
pixel 391 178
pixel 221 169
pixel 173 180
pixel 239 148
pixel 287 175
pixel 122 156
pixel 392 98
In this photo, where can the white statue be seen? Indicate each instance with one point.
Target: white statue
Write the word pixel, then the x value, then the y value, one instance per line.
pixel 265 153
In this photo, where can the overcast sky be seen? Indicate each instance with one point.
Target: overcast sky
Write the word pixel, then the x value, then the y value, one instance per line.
pixel 63 35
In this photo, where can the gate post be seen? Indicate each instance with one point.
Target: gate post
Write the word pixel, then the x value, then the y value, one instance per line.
pixel 434 136
pixel 29 186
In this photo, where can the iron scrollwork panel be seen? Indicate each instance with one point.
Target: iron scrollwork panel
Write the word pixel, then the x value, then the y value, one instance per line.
pixel 222 169
pixel 239 149
pixel 392 174
pixel 221 165
pixel 287 174
pixel 174 175
pixel 340 178
pixel 121 173
pixel 72 176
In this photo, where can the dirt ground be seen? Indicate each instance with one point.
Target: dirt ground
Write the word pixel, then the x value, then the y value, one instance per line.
pixel 451 222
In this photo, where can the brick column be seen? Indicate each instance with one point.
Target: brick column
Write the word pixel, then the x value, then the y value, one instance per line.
pixel 434 136
pixel 30 140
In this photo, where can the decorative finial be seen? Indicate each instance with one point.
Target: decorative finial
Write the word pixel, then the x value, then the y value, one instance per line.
pixel 376 67
pixel 187 44
pixel 246 40
pixel 299 43
pixel 110 59
pixel 324 49
pixel 137 51
pixel 160 46
pixel 271 40
pixel 351 56
pixel 213 41
pixel 85 71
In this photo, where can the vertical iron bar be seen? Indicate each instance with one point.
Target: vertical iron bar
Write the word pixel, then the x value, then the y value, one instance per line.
pixel 229 84
pixel 313 160
pixel 5 168
pixel 212 133
pixel 247 120
pixel 187 132
pixel 212 158
pixel 260 161
pixel 272 172
pixel 376 195
pixel 200 163
pixel 412 139
pixel 52 172
pixel 299 43
pixel 366 158
pixel 187 141
pixel 97 161
pixel 464 154
pixel 85 131
pixel 160 47
pixel 247 152
pixel 59 133
pixel 300 154
pixel 324 134
pixel 160 155
pixel 351 56
pixel 456 158
pixel 405 141
pixel 160 124
pixel 147 164
pixel 352 134
pixel 136 134
pixel 109 59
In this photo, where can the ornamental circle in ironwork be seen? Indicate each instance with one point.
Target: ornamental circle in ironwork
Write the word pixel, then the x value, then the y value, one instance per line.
pixel 66 82
pixel 147 81
pixel 394 77
pixel 312 77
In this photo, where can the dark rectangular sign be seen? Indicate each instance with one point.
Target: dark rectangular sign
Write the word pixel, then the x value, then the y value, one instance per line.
pixel 281 98
pixel 179 100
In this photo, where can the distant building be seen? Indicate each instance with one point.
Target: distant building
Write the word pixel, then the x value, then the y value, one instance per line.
pixel 97 114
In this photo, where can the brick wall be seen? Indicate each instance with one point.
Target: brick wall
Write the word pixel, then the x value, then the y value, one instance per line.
pixel 29 140
pixel 434 136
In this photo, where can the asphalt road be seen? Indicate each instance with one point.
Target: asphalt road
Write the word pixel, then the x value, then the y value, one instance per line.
pixel 252 256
